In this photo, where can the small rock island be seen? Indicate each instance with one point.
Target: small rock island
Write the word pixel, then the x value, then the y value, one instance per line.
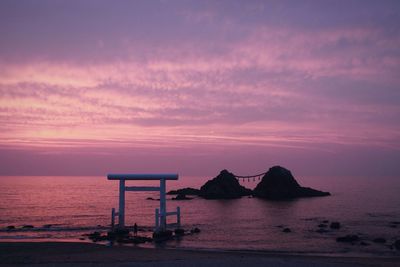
pixel 279 184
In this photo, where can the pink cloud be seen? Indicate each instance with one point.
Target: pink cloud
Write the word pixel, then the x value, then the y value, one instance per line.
pixel 259 94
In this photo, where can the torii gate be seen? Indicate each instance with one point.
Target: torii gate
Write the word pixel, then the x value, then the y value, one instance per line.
pixel 161 215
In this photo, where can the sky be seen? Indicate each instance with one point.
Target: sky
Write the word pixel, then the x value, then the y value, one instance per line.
pixel 194 87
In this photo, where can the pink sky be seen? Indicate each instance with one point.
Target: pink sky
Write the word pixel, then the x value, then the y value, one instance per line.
pixel 193 87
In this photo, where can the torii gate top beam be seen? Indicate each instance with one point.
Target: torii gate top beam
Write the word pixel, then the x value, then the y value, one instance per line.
pixel 164 176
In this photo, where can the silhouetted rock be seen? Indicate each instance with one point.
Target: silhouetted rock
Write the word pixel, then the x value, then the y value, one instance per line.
pixel 379 240
pixel 116 234
pixel 195 230
pixel 96 236
pixel 287 230
pixel 322 231
pixel 10 227
pixel 160 236
pixel 397 244
pixel 179 231
pixel 185 191
pixel 224 186
pixel 135 240
pixel 279 184
pixel 335 225
pixel 348 238
pixel 28 226
pixel 181 197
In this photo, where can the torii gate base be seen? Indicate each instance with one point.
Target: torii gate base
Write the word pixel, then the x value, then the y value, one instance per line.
pixel 160 214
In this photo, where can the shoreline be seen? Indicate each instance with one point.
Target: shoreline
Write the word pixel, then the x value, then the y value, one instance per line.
pixel 90 254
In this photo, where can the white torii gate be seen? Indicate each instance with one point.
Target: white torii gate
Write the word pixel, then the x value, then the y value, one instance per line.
pixel 161 215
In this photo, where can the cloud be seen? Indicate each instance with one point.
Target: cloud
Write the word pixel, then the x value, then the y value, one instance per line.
pixel 212 77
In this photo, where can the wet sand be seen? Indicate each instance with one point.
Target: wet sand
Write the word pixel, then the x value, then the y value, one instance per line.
pixel 85 255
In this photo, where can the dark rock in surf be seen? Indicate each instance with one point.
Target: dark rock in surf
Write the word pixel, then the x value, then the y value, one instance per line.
pixel 397 244
pixel 27 226
pixel 379 240
pixel 195 230
pixel 348 238
pixel 10 227
pixel 287 230
pixel 279 184
pixel 160 236
pixel 224 186
pixel 185 191
pixel 181 197
pixel 335 225
pixel 179 231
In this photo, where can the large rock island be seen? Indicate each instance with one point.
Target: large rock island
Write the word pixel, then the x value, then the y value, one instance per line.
pixel 224 186
pixel 279 184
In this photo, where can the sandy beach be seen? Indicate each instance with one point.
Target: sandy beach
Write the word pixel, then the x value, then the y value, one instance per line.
pixel 85 254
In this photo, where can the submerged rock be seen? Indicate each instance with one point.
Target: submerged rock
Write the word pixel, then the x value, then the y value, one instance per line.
pixel 348 238
pixel 185 191
pixel 379 240
pixel 397 244
pixel 181 197
pixel 151 198
pixel 279 184
pixel 179 231
pixel 135 240
pixel 335 225
pixel 195 230
pixel 160 236
pixel 224 186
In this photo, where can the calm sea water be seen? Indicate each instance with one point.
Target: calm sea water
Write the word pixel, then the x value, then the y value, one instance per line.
pixel 73 206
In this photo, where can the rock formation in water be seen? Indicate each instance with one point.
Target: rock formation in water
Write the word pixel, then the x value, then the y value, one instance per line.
pixel 185 191
pixel 224 186
pixel 181 197
pixel 279 184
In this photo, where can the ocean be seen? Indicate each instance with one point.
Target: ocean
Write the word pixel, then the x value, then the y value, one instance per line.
pixel 65 208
